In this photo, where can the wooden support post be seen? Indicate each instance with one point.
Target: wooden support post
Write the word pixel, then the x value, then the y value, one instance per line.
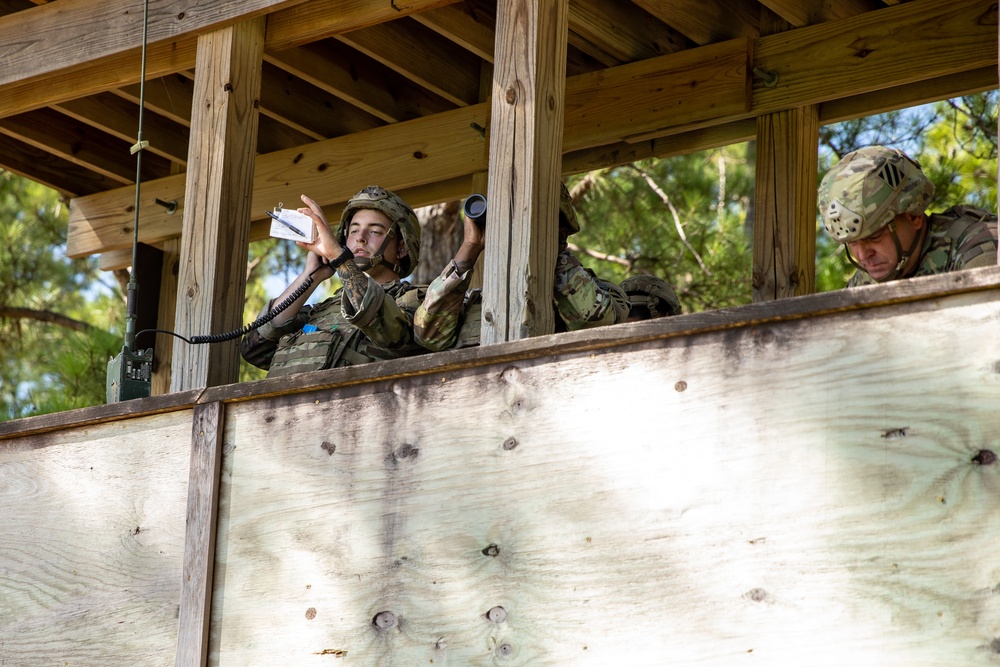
pixel 216 226
pixel 199 540
pixel 481 179
pixel 784 226
pixel 526 134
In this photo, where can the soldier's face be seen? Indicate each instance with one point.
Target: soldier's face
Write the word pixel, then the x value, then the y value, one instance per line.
pixel 877 253
pixel 367 232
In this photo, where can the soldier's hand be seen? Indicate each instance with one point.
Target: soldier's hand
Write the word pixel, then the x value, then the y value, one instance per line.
pixel 326 244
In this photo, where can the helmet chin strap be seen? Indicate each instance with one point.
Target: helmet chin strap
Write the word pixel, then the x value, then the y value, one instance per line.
pixel 904 258
pixel 366 264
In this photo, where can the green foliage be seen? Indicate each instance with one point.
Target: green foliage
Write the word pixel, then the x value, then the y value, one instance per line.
pixel 48 366
pixel 635 219
pixel 687 219
pixel 682 219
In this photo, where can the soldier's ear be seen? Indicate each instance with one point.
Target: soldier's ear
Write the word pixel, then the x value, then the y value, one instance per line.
pixel 401 250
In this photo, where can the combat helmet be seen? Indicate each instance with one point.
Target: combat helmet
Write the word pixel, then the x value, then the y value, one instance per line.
pixel 567 214
pixel 403 218
pixel 650 297
pixel 867 189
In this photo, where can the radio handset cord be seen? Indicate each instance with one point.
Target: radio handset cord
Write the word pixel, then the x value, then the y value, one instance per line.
pixel 345 256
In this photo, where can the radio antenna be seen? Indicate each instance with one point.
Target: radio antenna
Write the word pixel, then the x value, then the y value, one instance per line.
pixel 130 373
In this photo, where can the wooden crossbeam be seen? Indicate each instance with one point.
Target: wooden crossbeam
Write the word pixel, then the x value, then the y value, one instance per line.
pixel 63 35
pixel 404 155
pixel 597 132
pixel 56 67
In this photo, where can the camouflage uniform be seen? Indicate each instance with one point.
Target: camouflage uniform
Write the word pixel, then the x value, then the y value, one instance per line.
pixel 358 324
pixel 445 309
pixel 332 334
pixel 450 317
pixel 870 187
pixel 960 238
pixel 582 300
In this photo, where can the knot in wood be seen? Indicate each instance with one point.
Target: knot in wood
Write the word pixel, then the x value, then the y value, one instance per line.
pixel 491 550
pixel 985 457
pixel 505 650
pixel 510 443
pixel 384 620
pixel 405 451
pixel 497 615
pixel 510 95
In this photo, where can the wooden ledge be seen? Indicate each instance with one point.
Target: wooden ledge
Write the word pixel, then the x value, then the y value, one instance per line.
pixel 930 289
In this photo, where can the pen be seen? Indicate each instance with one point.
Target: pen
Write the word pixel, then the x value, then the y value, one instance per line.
pixel 286 224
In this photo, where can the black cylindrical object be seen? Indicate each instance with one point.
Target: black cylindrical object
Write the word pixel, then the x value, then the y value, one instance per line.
pixel 475 209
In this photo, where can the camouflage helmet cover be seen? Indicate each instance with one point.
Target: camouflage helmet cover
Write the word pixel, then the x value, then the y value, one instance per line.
pixel 652 293
pixel 398 212
pixel 567 214
pixel 867 189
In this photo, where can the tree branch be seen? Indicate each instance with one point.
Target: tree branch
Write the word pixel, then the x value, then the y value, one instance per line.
pixel 677 218
pixel 46 316
pixel 627 263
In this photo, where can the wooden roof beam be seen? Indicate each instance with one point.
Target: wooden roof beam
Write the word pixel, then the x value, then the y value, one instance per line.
pixel 309 109
pixel 405 155
pixel 169 96
pixel 707 21
pixel 421 56
pixel 119 118
pixel 80 144
pixel 594 125
pixel 57 65
pixel 61 36
pixel 66 178
pixel 319 19
pixel 800 13
pixel 621 32
pixel 470 26
pixel 864 53
pixel 359 80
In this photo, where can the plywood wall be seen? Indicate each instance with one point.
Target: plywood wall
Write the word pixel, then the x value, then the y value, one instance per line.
pixel 91 543
pixel 814 492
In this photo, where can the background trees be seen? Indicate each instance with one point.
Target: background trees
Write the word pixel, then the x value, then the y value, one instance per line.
pixel 688 219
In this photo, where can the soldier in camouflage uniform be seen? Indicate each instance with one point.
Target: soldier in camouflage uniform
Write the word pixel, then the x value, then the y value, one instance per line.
pixel 450 317
pixel 874 201
pixel 371 317
pixel 650 297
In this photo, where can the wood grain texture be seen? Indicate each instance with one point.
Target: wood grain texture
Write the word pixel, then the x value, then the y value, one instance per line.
pixel 55 37
pixel 784 230
pixel 525 167
pixel 218 190
pixel 666 92
pixel 199 542
pixel 93 539
pixel 801 492
pixel 417 154
pixel 606 111
pixel 863 53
